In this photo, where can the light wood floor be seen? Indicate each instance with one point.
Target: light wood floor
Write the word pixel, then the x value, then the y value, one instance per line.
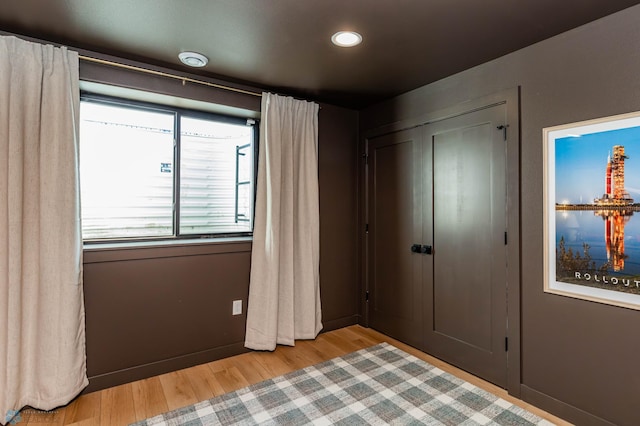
pixel 135 401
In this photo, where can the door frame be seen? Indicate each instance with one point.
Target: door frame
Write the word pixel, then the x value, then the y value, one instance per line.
pixel 511 98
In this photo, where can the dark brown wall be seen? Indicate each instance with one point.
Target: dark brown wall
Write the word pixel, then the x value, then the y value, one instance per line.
pixel 338 161
pixel 578 357
pixel 153 310
pixel 150 310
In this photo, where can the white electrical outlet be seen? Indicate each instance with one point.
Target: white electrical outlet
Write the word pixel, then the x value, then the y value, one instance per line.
pixel 237 307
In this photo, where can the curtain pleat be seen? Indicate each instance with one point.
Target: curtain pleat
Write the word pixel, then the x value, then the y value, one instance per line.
pixel 42 335
pixel 284 291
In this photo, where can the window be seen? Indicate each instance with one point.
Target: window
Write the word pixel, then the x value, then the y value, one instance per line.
pixel 150 171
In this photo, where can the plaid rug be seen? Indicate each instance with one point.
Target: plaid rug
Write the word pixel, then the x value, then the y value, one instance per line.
pixel 373 386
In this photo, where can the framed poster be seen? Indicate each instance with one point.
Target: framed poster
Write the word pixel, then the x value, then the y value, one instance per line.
pixel 592 210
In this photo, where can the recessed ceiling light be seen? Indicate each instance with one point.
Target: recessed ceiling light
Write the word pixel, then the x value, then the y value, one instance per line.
pixel 346 38
pixel 193 59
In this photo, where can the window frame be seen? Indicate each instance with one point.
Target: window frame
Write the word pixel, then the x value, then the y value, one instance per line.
pixel 178 112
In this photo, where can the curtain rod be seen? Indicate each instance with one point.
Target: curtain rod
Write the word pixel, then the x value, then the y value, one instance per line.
pixel 164 74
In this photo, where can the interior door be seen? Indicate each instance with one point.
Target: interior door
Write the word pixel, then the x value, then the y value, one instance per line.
pixel 395 225
pixel 466 301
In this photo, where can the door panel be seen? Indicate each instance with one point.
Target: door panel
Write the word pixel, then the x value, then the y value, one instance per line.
pixel 467 308
pixel 442 185
pixel 395 303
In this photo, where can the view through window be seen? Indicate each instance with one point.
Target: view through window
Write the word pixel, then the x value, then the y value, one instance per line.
pixel 156 172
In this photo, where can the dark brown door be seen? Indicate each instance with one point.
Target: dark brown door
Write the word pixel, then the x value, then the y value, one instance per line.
pixel 466 301
pixel 395 224
pixel 441 185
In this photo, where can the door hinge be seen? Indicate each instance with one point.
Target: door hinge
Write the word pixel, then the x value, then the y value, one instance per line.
pixel 366 296
pixel 503 127
pixel 366 228
pixel 506 344
pixel 505 238
pixel 366 158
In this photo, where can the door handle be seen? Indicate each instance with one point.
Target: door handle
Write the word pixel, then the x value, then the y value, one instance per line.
pixel 417 248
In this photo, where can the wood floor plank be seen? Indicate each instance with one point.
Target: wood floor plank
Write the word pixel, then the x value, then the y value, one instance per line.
pixel 94 421
pixel 214 384
pixel 84 407
pixel 357 336
pixel 292 357
pixel 148 398
pixel 272 363
pixel 204 384
pixel 310 353
pixel 231 379
pixel 177 389
pixel 325 348
pixel 251 370
pixel 116 405
pixel 344 344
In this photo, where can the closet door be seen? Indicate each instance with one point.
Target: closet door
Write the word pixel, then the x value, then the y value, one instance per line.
pixel 395 226
pixel 466 301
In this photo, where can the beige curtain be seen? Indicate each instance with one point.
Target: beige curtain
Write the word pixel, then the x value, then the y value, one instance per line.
pixel 42 340
pixel 284 292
